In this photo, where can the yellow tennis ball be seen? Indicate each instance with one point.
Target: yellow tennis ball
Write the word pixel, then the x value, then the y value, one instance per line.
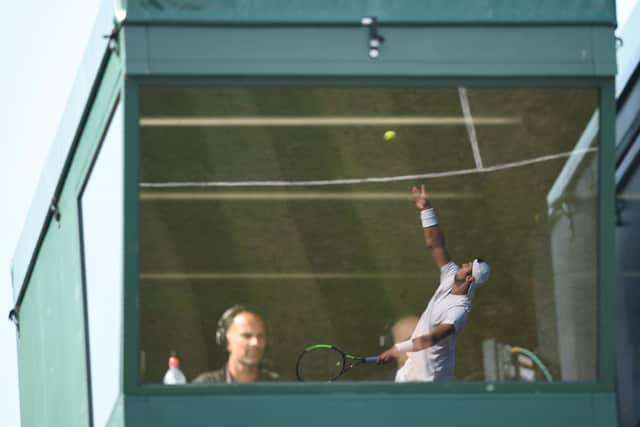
pixel 390 135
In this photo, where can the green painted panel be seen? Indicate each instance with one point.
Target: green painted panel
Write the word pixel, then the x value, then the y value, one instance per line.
pixel 607 260
pixel 51 345
pixel 131 240
pixel 506 51
pixel 604 410
pixel 387 11
pixel 52 342
pixel 378 410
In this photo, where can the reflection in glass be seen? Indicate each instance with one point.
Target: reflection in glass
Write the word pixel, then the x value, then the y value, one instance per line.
pixel 294 201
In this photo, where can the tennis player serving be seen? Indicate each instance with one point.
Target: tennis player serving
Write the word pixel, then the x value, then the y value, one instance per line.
pixel 431 349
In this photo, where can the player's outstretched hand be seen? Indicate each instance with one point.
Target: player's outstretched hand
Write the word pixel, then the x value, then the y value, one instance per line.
pixel 420 197
pixel 388 355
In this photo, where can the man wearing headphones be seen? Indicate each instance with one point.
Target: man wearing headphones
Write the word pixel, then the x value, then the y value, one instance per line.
pixel 242 332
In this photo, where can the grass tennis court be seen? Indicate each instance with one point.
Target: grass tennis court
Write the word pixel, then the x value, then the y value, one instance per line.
pixel 291 200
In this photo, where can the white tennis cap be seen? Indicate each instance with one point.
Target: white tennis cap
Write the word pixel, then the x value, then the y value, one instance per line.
pixel 480 272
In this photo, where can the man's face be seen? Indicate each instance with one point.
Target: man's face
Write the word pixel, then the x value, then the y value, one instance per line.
pixel 246 340
pixel 464 272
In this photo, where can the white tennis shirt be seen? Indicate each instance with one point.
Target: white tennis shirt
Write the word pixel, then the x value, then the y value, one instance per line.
pixel 437 363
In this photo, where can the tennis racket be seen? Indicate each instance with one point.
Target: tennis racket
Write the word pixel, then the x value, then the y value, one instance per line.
pixel 324 362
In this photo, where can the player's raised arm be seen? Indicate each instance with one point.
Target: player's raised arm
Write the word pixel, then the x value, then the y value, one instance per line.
pixel 433 237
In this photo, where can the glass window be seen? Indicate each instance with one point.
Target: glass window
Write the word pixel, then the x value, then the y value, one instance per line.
pixel 296 202
pixel 101 209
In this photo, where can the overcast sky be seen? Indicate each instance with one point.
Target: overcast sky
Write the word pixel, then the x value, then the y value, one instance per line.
pixel 42 44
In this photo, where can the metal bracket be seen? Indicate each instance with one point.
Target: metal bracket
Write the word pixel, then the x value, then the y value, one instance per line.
pixel 114 46
pixel 375 39
pixel 55 212
pixel 14 317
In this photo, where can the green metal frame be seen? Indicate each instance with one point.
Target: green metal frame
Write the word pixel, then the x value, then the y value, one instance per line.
pixel 83 185
pixel 342 51
pixel 396 12
pixel 606 243
pixel 131 233
pixel 605 381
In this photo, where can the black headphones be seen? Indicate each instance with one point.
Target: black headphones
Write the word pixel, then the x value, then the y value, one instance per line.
pixel 227 318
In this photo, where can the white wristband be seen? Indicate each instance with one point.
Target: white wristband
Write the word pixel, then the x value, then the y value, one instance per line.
pixel 404 346
pixel 428 217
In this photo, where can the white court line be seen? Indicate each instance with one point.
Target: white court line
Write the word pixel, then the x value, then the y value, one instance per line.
pixel 298 195
pixel 322 121
pixel 471 129
pixel 318 183
pixel 279 276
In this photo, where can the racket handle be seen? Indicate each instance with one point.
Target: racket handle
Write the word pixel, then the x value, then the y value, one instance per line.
pixel 371 359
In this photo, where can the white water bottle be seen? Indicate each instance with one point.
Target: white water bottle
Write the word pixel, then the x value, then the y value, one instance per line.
pixel 174 375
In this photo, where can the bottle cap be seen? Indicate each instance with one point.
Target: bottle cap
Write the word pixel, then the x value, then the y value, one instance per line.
pixel 174 362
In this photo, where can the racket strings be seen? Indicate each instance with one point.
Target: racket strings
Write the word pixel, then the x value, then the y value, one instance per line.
pixel 321 364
